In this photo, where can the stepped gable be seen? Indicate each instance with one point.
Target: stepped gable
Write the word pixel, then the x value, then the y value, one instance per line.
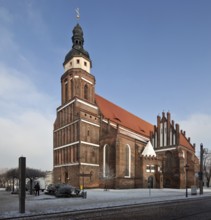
pixel 122 117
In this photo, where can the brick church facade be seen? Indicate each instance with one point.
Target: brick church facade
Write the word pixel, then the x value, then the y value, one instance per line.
pixel 99 144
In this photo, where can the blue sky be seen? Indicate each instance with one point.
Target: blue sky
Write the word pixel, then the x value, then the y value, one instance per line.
pixel 147 55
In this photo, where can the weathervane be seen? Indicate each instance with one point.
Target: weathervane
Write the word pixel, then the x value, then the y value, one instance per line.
pixel 77 13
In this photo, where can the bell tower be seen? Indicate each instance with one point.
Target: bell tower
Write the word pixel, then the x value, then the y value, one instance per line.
pixel 77 81
pixel 76 128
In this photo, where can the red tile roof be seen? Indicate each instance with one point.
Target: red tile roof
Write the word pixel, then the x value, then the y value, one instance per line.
pixel 185 143
pixel 122 117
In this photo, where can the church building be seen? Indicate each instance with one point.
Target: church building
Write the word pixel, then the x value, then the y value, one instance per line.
pixel 99 144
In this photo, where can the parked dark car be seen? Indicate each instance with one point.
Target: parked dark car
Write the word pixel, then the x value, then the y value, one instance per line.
pixel 51 188
pixel 62 190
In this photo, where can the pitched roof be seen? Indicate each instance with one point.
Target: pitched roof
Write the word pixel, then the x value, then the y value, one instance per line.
pixel 148 150
pixel 185 143
pixel 122 117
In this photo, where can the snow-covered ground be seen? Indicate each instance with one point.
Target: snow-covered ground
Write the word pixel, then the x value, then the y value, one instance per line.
pixel 96 198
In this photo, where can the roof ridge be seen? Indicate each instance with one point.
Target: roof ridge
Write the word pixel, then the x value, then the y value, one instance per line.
pixel 123 117
pixel 123 109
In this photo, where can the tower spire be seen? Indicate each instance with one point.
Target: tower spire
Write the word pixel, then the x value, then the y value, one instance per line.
pixel 77 52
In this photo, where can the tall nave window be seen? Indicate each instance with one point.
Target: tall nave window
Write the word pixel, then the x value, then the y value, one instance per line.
pixel 106 170
pixel 127 160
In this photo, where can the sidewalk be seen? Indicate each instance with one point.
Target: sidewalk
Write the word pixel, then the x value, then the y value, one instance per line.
pixel 96 198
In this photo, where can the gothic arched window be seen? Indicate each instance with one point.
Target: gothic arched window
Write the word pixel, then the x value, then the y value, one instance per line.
pixel 127 160
pixel 106 160
pixel 66 90
pixel 86 91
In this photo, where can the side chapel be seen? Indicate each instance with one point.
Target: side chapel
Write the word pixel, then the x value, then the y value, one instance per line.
pixel 99 144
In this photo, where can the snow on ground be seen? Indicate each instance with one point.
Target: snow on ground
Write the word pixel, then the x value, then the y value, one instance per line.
pixel 96 198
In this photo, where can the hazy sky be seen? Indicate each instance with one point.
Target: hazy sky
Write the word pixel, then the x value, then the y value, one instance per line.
pixel 147 55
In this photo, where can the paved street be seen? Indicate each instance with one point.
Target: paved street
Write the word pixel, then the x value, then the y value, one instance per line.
pixel 183 210
pixel 97 199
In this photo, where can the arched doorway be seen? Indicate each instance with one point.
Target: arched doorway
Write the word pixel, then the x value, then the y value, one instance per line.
pixel 150 182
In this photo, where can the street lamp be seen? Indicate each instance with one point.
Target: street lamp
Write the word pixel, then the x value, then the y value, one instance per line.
pixel 186 179
pixel 201 168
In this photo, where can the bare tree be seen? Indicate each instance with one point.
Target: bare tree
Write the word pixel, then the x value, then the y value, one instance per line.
pixel 13 174
pixel 32 174
pixel 2 180
pixel 207 168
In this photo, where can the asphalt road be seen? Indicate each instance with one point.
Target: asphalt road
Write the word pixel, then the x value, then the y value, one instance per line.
pixel 199 209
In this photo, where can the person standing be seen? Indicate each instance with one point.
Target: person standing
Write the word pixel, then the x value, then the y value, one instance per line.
pixel 37 189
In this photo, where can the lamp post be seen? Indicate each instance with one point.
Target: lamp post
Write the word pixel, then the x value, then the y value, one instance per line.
pixel 186 179
pixel 201 169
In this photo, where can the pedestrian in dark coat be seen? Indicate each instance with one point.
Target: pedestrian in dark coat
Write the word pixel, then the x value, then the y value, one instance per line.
pixel 37 189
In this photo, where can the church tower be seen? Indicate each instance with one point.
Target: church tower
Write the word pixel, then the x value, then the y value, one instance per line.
pixel 76 128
